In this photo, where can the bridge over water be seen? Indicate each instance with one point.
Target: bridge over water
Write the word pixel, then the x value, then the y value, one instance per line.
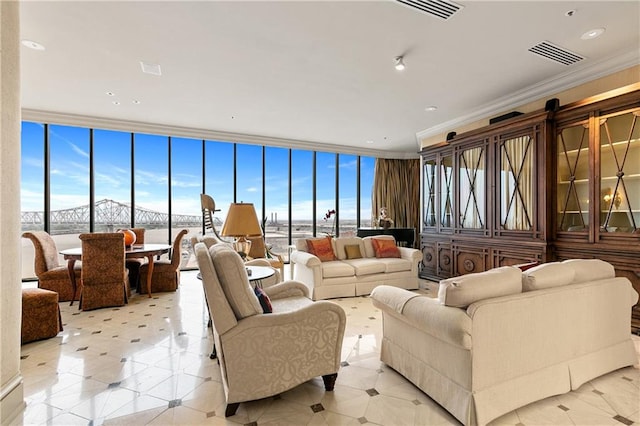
pixel 109 214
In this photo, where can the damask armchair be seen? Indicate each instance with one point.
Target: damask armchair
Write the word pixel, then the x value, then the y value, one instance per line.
pixel 51 275
pixel 264 354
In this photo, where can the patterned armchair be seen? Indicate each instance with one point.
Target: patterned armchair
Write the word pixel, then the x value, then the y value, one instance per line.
pixel 104 276
pixel 166 273
pixel 260 354
pixel 51 275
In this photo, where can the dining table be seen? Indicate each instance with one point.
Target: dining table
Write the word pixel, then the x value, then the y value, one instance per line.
pixel 148 251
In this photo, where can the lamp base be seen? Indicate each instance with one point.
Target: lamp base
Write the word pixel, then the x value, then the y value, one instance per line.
pixel 243 247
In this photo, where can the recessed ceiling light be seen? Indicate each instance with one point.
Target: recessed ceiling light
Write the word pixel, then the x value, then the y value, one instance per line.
pixel 116 102
pixel 135 101
pixel 110 93
pixel 570 13
pixel 399 63
pixel 591 34
pixel 369 142
pixel 431 108
pixel 32 45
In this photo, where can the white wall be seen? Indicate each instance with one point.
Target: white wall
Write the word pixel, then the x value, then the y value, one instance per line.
pixel 11 390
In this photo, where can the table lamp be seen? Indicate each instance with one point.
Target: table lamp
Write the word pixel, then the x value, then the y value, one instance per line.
pixel 241 222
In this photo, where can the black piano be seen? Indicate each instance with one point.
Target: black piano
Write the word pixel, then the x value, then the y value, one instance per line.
pixel 405 237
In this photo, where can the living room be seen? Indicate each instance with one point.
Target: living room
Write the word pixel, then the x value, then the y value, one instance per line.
pixel 622 74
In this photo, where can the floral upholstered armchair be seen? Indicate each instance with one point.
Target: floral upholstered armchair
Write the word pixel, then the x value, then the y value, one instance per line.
pixel 263 354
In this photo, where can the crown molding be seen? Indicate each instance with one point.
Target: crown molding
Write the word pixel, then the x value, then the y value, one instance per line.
pixel 551 86
pixel 51 117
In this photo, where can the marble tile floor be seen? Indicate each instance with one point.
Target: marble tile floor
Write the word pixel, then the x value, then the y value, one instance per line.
pixel 147 363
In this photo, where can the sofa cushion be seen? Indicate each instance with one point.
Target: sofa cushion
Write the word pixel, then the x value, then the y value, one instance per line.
pixel 366 266
pixel 385 248
pixel 337 269
pixel 546 275
pixel 234 281
pixel 353 251
pixel 321 248
pixel 369 251
pixel 395 265
pixel 590 269
pixel 464 290
pixel 341 244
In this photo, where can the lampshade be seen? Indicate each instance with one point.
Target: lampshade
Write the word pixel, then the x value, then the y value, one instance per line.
pixel 241 222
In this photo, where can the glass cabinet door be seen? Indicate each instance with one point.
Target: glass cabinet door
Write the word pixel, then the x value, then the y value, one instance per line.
pixel 517 183
pixel 471 178
pixel 446 188
pixel 429 192
pixel 573 178
pixel 620 173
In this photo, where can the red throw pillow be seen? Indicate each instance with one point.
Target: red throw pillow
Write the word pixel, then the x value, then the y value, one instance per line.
pixel 321 247
pixel 264 300
pixel 385 247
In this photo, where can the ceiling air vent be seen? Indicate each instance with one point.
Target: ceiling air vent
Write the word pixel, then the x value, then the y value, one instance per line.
pixel 557 54
pixel 438 8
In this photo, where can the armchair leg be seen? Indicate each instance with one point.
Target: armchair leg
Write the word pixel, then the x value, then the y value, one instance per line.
pixel 231 409
pixel 329 381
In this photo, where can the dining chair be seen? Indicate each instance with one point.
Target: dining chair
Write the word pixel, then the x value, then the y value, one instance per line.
pixel 133 265
pixel 260 250
pixel 51 274
pixel 104 279
pixel 166 273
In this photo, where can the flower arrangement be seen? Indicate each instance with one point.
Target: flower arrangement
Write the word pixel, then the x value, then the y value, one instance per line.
pixel 327 216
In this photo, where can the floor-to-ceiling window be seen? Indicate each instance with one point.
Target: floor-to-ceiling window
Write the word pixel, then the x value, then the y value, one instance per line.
pixel 112 180
pixel 77 180
pixel 276 199
pixel 186 187
pixel 151 186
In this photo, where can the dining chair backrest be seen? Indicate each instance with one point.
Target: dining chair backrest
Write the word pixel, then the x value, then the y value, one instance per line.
pixel 139 235
pixel 176 252
pixel 103 258
pixel 46 253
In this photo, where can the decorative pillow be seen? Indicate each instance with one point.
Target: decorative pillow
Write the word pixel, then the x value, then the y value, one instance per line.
pixel 385 248
pixel 547 275
pixel 321 248
pixel 462 291
pixel 264 300
pixel 590 269
pixel 353 251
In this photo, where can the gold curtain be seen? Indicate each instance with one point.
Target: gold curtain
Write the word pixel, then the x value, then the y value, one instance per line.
pixel 396 186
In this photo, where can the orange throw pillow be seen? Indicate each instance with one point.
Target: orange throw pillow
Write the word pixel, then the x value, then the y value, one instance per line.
pixel 385 248
pixel 321 247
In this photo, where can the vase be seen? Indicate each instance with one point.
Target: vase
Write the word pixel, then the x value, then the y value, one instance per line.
pixel 129 237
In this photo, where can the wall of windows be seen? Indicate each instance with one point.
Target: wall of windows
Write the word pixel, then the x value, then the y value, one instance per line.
pixel 77 180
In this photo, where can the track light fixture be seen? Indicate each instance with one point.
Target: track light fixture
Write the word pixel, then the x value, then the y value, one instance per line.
pixel 399 63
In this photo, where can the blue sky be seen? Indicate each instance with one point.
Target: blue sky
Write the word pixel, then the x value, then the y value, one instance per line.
pixel 69 153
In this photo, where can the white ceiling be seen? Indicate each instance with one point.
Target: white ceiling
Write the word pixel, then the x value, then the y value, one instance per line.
pixel 309 73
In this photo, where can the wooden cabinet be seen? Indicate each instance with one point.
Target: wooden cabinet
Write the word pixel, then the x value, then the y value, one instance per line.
pixel 538 187
pixel 482 199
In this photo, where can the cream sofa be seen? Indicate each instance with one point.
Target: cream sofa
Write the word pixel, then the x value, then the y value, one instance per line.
pixel 497 347
pixel 354 277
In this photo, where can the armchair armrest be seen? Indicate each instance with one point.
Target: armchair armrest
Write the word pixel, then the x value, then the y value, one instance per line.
pixel 287 289
pixel 304 258
pixel 314 313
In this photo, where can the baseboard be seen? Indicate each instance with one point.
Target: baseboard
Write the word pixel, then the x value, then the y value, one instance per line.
pixel 12 403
